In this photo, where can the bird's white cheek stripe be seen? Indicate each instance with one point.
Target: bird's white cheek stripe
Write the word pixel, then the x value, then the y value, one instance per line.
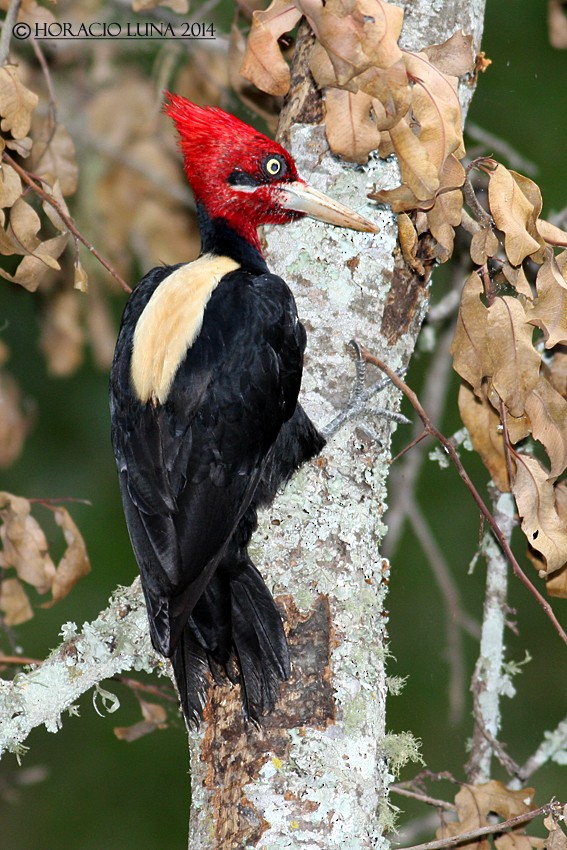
pixel 170 324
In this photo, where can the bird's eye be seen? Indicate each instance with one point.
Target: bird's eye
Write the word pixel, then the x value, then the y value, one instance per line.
pixel 274 166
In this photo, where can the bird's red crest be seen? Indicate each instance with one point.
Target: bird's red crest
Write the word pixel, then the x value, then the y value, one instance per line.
pixel 214 144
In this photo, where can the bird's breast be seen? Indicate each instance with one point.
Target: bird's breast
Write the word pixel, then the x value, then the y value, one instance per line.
pixel 170 324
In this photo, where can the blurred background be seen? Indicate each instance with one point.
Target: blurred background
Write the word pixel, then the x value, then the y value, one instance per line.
pixel 84 789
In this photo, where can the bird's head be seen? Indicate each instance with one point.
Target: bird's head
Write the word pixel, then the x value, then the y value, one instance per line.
pixel 245 178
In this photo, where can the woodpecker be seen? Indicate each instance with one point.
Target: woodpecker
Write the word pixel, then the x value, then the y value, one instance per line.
pixel 206 426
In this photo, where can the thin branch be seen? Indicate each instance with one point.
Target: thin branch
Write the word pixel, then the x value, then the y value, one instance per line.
pixel 138 687
pixel 554 743
pixel 117 640
pixel 7 28
pixel 449 448
pixel 479 213
pixel 488 679
pixel 18 660
pixel 515 159
pixel 67 220
pixel 492 829
pixel 423 798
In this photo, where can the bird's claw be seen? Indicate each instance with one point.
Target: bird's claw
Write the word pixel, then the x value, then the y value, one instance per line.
pixel 360 397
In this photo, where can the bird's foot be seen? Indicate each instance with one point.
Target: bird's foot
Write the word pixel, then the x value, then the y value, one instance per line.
pixel 360 397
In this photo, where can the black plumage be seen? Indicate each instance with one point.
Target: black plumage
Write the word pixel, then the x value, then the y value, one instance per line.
pixel 194 471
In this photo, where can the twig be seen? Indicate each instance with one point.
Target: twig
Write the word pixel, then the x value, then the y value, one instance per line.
pixel 480 214
pixel 554 742
pixel 431 429
pixel 494 745
pixel 18 659
pixel 492 829
pixel 489 140
pixel 423 798
pixel 487 681
pixel 67 220
pixel 137 686
pixel 7 28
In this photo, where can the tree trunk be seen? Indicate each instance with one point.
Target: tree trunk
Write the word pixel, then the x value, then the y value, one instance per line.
pixel 316 773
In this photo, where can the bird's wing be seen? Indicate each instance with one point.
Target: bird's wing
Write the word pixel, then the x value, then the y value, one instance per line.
pixel 189 467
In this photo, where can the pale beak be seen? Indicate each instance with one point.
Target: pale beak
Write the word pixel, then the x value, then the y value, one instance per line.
pixel 303 198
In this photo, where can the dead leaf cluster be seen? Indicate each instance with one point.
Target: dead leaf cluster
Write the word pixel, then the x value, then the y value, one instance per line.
pixel 476 806
pixel 25 559
pixel 514 378
pixel 51 155
pixel 138 197
pixel 16 418
pixel 379 97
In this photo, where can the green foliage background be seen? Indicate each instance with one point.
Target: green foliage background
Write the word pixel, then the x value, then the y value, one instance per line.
pixel 102 793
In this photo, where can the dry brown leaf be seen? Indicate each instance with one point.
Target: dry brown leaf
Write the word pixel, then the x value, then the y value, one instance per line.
pixel 24 544
pixel 407 236
pixel 62 335
pixel 436 107
pixel 53 156
pixel 34 266
pixel 515 840
pixel 400 199
pixel 557 24
pixel 390 91
pixel 517 277
pixel 21 146
pixel 469 348
pixel 23 228
pixel 155 717
pixel 515 362
pixel 16 103
pixel 447 212
pixel 513 213
pixel 263 62
pixel 476 803
pixel 544 528
pixel 485 431
pixel 50 211
pixel 550 233
pixel 80 277
pixel 455 56
pixel 484 244
pixel 556 582
pixel 533 193
pixel 74 563
pixel 351 131
pixel 547 411
pixel 550 309
pixel 14 602
pixel 14 423
pixel 558 372
pixel 419 174
pixel 356 34
pixel 10 186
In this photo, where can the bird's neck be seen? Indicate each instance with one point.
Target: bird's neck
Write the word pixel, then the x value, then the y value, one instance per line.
pixel 218 237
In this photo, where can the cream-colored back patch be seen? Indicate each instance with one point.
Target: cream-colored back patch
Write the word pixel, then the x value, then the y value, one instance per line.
pixel 170 324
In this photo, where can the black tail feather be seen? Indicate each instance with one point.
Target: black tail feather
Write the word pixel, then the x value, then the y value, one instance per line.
pixel 190 666
pixel 259 642
pixel 234 628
